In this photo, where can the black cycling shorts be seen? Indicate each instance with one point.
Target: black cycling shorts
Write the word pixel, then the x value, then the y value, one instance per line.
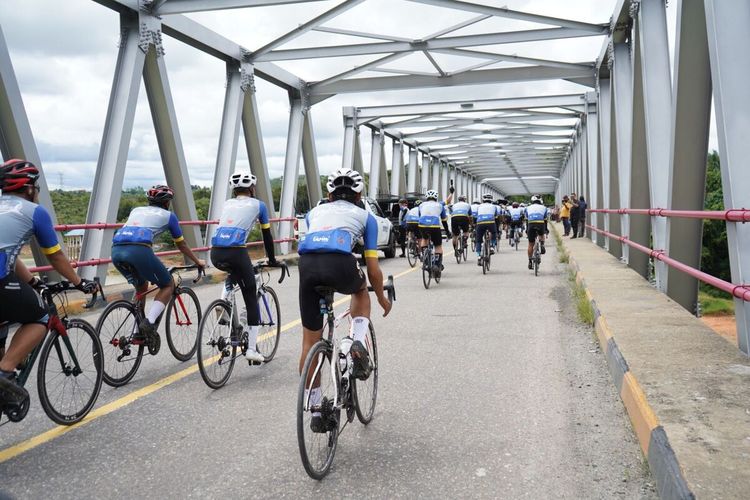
pixel 413 227
pixel 236 262
pixel 336 270
pixel 19 303
pixel 432 233
pixel 536 229
pixel 459 223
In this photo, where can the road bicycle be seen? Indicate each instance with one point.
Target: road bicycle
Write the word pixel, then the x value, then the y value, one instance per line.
pixel 413 251
pixel 536 255
pixel 516 237
pixel 69 374
pixel 486 256
pixel 328 369
pixel 461 249
pixel 430 269
pixel 221 332
pixel 124 344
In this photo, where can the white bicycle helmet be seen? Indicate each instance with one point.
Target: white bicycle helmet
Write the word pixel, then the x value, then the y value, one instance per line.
pixel 487 198
pixel 535 199
pixel 345 178
pixel 242 180
pixel 431 194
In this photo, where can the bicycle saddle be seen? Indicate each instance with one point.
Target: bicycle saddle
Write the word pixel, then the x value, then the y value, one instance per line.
pixel 325 291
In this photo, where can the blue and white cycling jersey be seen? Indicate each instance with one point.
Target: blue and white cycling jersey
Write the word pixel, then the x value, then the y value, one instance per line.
pixel 336 226
pixel 487 213
pixel 146 223
pixel 413 215
pixel 237 219
pixel 20 220
pixel 516 214
pixel 474 209
pixel 461 209
pixel 536 213
pixel 431 213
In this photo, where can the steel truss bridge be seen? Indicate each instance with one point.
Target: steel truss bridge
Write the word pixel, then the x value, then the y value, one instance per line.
pixel 635 135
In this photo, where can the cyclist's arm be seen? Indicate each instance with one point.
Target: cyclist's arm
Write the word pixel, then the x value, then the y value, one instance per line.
pixel 374 274
pixel 47 239
pixel 444 220
pixel 179 241
pixel 23 272
pixel 265 227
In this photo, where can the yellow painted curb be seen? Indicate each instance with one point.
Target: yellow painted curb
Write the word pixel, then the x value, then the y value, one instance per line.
pixel 641 415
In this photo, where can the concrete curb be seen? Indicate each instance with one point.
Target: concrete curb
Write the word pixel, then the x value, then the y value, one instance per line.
pixel 664 465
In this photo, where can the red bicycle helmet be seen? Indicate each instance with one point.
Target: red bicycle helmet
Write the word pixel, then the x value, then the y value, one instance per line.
pixel 160 194
pixel 16 174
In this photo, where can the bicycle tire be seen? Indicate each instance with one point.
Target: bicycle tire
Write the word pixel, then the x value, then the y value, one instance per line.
pixel 268 349
pixel 316 469
pixel 218 346
pixel 112 375
pixel 457 252
pixel 182 332
pixel 411 254
pixel 94 361
pixel 426 272
pixel 369 387
pixel 485 255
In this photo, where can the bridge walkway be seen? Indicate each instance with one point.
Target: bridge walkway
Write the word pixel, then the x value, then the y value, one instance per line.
pixel 490 387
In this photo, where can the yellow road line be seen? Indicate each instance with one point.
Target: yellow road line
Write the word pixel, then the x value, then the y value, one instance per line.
pixel 24 446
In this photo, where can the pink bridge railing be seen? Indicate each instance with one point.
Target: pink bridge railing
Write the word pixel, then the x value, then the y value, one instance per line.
pixel 733 215
pixel 104 225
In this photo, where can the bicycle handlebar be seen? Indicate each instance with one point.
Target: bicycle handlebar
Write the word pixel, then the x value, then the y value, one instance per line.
pixel 201 271
pixel 282 265
pixel 389 288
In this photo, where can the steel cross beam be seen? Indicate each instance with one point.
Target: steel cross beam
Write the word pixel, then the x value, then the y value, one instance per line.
pixel 164 7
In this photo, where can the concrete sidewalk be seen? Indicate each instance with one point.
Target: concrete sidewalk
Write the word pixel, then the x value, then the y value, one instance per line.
pixel 687 390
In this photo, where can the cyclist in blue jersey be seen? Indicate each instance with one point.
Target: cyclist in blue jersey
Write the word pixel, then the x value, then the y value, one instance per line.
pixel 133 256
pixel 412 220
pixel 431 215
pixel 516 219
pixel 487 215
pixel 20 219
pixel 229 253
pixel 537 216
pixel 326 259
pixel 460 216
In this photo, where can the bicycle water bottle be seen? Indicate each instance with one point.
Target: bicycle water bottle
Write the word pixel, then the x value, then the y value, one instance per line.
pixel 344 347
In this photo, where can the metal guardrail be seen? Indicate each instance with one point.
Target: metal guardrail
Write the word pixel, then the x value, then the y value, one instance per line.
pixel 732 215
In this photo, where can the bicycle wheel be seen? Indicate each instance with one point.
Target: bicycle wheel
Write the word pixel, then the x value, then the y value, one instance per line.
pixel 465 249
pixel 270 323
pixel 537 261
pixel 485 255
pixel 183 319
pixel 317 449
pixel 70 373
pixel 458 250
pixel 426 268
pixel 115 328
pixel 216 353
pixel 411 254
pixel 365 392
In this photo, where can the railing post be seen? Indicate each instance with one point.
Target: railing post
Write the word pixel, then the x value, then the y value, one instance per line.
pixel 690 127
pixel 728 42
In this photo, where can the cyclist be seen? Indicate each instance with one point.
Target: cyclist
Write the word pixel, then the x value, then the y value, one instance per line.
pixel 487 215
pixel 431 215
pixel 133 256
pixel 516 219
pixel 21 218
pixel 536 217
pixel 460 215
pixel 412 220
pixel 229 253
pixel 326 259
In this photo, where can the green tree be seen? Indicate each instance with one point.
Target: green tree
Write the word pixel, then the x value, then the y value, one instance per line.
pixel 715 252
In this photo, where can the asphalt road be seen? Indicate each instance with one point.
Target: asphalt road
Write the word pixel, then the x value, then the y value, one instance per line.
pixel 489 388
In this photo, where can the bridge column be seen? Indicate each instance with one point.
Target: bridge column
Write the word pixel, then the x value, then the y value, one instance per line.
pixel 352 155
pixel 436 178
pixel 640 226
pixel 376 155
pixel 398 169
pixel 657 98
pixel 113 153
pixel 411 184
pixel 599 185
pixel 425 183
pixel 444 174
pixel 728 41
pixel 615 246
pixel 16 139
pixel 622 81
pixel 291 169
pixel 605 113
pixel 310 160
pixel 254 143
pixel 690 124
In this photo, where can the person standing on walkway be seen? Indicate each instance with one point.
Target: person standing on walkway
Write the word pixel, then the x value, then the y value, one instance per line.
pixel 575 214
pixel 582 205
pixel 565 214
pixel 403 210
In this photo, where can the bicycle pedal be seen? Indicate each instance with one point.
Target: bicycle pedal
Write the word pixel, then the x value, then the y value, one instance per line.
pixel 254 363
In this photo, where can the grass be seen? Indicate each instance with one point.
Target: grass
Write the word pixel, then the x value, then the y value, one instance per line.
pixel 583 306
pixel 711 305
pixel 562 253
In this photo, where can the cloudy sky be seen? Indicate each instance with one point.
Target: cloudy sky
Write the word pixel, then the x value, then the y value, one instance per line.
pixel 64 55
